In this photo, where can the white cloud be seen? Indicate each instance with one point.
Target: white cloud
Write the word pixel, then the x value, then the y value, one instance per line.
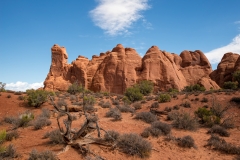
pixel 216 55
pixel 23 86
pixel 237 22
pixel 117 16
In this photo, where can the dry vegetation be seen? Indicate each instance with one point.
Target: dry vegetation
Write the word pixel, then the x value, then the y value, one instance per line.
pixel 73 125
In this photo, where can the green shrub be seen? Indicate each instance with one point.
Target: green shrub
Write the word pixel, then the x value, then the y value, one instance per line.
pixel 90 100
pixel 145 87
pixel 230 85
pixel 75 88
pixel 164 98
pixel 134 144
pixel 44 155
pixel 193 88
pixel 133 94
pixel 184 121
pixel 186 142
pixel 236 77
pixel 147 117
pixel 2 87
pixel 23 119
pixel 3 134
pixel 37 97
pixel 207 117
pixel 219 130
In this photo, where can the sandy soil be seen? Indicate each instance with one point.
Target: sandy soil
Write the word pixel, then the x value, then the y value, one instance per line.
pixel 165 150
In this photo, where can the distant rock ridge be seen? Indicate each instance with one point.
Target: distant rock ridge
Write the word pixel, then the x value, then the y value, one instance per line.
pixel 116 70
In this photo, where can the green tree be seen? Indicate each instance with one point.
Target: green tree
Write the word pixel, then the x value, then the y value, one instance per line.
pixel 145 87
pixel 236 77
pixel 134 94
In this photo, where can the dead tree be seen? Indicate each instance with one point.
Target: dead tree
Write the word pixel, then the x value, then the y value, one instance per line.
pixel 81 138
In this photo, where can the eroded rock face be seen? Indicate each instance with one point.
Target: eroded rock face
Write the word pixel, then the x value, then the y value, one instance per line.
pixel 116 70
pixel 229 63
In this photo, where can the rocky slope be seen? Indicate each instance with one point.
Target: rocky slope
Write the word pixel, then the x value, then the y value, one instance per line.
pixel 120 68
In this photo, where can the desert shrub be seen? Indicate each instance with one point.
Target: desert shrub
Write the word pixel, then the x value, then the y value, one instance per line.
pixel 204 100
pixel 173 90
pixel 114 113
pixel 186 141
pixel 207 117
pixel 228 123
pixel 184 121
pixel 193 88
pixel 164 127
pixel 126 100
pixel 236 77
pixel 90 100
pixel 3 134
pixel 134 144
pixel 197 99
pixel 9 119
pixel 155 105
pixel 21 97
pixel 235 99
pixel 217 109
pixel 61 102
pixel 186 104
pixel 9 96
pixel 145 87
pixel 147 117
pixel 115 102
pixel 219 130
pixel 100 103
pixel 55 137
pixel 77 103
pixel 37 97
pixel 111 136
pixel 168 109
pixel 45 113
pixel 125 108
pixel 9 153
pixel 162 98
pixel 133 94
pixel 88 108
pixel 75 88
pixel 221 145
pixel 146 132
pixel 106 93
pixel 44 155
pixel 23 119
pixel 12 135
pixel 137 105
pixel 41 122
pixel 230 85
pixel 2 87
pixel 176 107
pixel 73 98
pixel 106 105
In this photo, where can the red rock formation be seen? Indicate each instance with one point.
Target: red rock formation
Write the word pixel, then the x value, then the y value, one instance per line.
pixel 120 68
pixel 229 63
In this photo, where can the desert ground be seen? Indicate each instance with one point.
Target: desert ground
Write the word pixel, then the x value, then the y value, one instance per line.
pixel 163 147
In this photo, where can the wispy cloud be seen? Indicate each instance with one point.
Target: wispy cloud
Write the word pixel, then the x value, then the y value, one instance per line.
pixel 216 55
pixel 115 17
pixel 237 22
pixel 23 86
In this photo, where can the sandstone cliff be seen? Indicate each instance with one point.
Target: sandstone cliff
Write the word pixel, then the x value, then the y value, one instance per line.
pixel 120 68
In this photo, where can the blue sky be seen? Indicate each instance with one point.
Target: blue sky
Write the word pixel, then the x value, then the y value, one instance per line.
pixel 28 29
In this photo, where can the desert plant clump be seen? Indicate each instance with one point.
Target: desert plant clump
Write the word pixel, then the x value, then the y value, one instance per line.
pixel 221 145
pixel 236 77
pixel 9 96
pixel 207 117
pixel 37 97
pixel 61 102
pixel 3 135
pixel 186 104
pixel 186 142
pixel 2 87
pixel 176 107
pixel 106 105
pixel 75 88
pixel 162 98
pixel 219 130
pixel 45 113
pixel 235 99
pixel 115 102
pixel 155 105
pixel 147 117
pixel 55 137
pixel 194 88
pixel 230 85
pixel 164 127
pixel 137 105
pixel 134 144
pixel 41 122
pixel 12 135
pixel 228 123
pixel 9 152
pixel 23 119
pixel 133 94
pixel 44 155
pixel 184 121
pixel 145 87
pixel 168 109
pixel 90 100
pixel 125 108
pixel 111 136
pixel 204 100
pixel 114 113
pixel 88 108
